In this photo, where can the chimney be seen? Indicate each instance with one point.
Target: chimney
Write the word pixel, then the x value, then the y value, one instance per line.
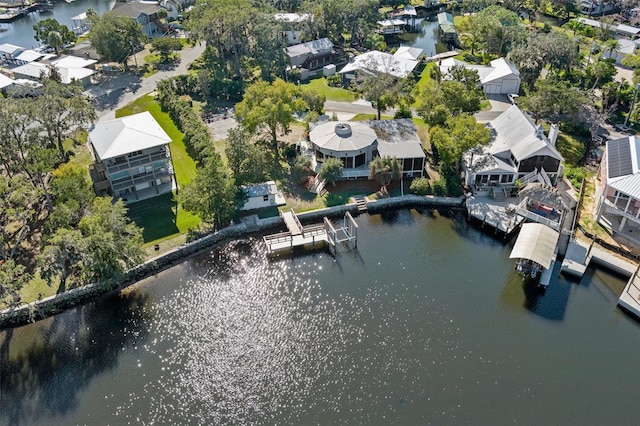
pixel 553 134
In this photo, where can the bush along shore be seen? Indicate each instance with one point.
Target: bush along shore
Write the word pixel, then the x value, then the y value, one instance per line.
pixel 49 306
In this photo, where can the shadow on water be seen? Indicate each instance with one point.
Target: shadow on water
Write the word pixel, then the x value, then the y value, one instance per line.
pixel 46 366
pixel 550 303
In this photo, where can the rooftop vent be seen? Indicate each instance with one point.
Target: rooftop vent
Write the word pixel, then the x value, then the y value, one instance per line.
pixel 343 130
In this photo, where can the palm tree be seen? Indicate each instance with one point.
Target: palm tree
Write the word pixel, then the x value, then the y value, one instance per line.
pixel 54 40
pixel 612 44
pixel 384 170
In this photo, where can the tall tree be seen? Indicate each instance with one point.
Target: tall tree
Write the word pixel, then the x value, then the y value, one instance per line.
pixel 497 27
pixel 212 194
pixel 116 37
pixel 246 160
pixel 270 106
pixel 331 170
pixel 385 170
pixel 62 111
pixel 165 46
pixel 53 34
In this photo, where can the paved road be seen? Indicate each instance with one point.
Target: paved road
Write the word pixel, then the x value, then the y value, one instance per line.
pixel 115 91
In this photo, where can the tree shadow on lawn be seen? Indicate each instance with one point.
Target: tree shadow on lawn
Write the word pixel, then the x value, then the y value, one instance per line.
pixel 156 216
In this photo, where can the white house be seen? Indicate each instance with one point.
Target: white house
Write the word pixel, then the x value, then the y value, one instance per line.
pixel 626 47
pixel 262 195
pixel 131 158
pixel 501 77
pixel 519 150
pixel 356 144
pixel 398 65
pixel 5 82
pixel 71 69
pixel 618 196
pixel 9 52
pixel 292 24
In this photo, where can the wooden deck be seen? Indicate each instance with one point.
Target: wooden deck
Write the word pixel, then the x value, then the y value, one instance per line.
pixel 493 213
pixel 311 236
pixel 292 222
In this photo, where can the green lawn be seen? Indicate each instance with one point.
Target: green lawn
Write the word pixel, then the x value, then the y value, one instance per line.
pixel 320 85
pixel 161 217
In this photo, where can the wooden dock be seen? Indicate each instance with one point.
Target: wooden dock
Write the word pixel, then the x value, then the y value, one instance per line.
pixel 314 236
pixel 493 213
pixel 630 297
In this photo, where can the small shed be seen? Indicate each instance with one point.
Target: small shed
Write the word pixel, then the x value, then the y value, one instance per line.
pixel 262 195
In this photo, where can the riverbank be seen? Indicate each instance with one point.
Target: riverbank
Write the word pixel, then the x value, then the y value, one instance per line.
pixel 53 305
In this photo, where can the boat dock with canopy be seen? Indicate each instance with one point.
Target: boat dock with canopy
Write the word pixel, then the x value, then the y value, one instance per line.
pixel 536 250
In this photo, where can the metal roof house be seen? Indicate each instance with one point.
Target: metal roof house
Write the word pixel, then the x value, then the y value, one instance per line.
pixel 399 65
pixel 131 158
pixel 311 55
pixel 292 24
pixel 519 150
pixel 143 13
pixel 263 195
pixel 501 77
pixel 356 144
pixel 618 196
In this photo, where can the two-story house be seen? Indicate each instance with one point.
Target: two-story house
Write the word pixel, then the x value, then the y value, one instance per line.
pixel 618 195
pixel 143 13
pixel 132 160
pixel 519 149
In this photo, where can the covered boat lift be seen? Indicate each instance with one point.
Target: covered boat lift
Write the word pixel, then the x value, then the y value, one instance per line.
pixel 536 248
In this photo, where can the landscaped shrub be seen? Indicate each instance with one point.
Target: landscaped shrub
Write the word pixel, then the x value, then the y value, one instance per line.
pixel 420 186
pixel 576 175
pixel 301 169
pixel 440 187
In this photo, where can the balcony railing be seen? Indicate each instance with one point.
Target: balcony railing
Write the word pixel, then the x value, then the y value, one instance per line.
pixel 142 160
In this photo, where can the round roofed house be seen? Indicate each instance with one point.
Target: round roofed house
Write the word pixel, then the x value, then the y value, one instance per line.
pixel 355 144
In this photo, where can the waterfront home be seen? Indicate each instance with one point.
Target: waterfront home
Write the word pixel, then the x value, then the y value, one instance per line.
pixel 500 77
pixel 519 150
pixel 392 26
pixel 8 53
pixel 292 24
pixel 356 144
pixel 131 158
pixel 398 65
pixel 311 55
pixel 595 7
pixel 145 14
pixel 447 28
pixel 618 195
pixel 261 195
pixel 71 69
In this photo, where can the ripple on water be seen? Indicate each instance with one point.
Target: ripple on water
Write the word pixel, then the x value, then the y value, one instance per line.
pixel 259 341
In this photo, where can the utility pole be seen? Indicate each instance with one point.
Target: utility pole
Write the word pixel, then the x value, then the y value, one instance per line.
pixel 133 52
pixel 633 104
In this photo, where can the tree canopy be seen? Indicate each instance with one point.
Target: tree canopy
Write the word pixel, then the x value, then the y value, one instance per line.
pixel 116 37
pixel 55 35
pixel 384 170
pixel 270 107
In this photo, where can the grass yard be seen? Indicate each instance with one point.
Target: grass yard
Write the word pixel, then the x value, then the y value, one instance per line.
pixel 162 217
pixel 339 94
pixel 571 147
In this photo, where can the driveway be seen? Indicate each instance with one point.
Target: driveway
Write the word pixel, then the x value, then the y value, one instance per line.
pixel 115 91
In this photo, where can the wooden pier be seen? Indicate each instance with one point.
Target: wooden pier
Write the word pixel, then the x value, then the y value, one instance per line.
pixel 314 236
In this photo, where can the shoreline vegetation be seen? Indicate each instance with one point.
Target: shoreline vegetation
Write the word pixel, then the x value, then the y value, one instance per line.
pixel 47 307
pixel 225 80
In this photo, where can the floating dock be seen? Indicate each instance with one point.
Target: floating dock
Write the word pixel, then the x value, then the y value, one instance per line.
pixel 314 236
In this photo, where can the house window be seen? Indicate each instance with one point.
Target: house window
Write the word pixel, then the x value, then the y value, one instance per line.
pixel 119 175
pixel 135 153
pixel 360 160
pixel 265 198
pixel 348 162
pixel 506 178
pixel 319 156
pixel 407 164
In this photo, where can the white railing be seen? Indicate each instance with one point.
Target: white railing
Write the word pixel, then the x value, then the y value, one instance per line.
pixel 346 174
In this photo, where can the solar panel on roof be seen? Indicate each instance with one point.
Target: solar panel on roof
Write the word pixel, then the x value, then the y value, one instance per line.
pixel 619 157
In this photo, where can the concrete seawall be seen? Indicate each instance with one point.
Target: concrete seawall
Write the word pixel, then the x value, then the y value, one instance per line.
pixel 52 305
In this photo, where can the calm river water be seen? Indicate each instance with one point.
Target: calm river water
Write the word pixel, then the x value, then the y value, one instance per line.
pixel 20 32
pixel 425 323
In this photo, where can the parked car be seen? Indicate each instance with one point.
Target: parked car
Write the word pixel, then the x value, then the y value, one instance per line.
pixel 512 98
